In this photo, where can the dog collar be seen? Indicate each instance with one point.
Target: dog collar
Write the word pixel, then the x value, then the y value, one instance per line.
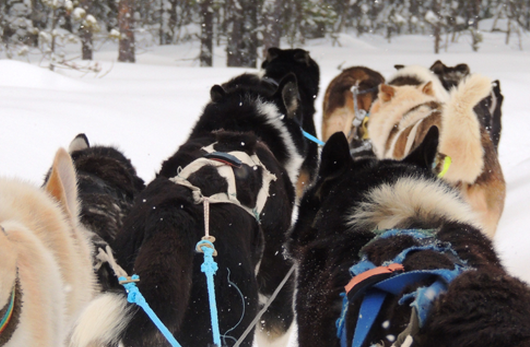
pixel 10 314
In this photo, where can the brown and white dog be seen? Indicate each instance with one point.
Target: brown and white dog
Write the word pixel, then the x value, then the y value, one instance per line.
pixel 341 112
pixel 402 115
pixel 46 275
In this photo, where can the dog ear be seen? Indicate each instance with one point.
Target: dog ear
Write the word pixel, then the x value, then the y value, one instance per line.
pixel 62 183
pixel 399 66
pixel 273 53
pixel 386 92
pixel 335 156
pixel 302 56
pixel 428 89
pixel 463 69
pixel 217 93
pixel 79 143
pixel 288 88
pixel 425 154
pixel 438 67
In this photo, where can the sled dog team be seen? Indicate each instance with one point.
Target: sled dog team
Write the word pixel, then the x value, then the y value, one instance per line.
pixel 391 245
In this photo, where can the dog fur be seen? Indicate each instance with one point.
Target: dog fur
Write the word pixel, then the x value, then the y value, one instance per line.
pixel 488 110
pixel 277 65
pixel 338 105
pixel 415 75
pixel 107 186
pixel 45 253
pixel 340 216
pixel 158 238
pixel 401 117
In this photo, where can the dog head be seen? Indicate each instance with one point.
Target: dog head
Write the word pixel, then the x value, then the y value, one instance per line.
pixel 450 76
pixel 395 105
pixel 280 62
pixel 275 117
pixel 106 163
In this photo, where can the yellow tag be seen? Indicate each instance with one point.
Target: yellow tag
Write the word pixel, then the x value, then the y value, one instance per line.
pixel 445 167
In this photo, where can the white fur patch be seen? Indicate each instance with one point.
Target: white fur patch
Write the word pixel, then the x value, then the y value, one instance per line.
pixel 274 118
pixel 391 206
pixel 102 322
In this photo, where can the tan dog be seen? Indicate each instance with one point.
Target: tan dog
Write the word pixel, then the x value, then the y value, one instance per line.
pixel 46 275
pixel 401 117
pixel 339 108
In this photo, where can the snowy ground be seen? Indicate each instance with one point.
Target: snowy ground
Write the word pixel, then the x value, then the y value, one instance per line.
pixel 148 108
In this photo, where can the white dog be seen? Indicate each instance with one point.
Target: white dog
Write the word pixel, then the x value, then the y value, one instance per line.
pixel 46 275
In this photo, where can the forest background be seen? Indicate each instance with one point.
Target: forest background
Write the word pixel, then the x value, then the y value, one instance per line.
pixel 246 28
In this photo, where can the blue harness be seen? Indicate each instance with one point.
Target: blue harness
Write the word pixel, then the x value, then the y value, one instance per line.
pixel 377 282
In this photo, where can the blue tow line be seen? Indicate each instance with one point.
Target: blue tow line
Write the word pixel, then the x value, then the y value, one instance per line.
pixel 209 267
pixel 135 297
pixel 312 138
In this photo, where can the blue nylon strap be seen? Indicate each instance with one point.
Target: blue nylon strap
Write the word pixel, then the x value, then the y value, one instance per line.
pixel 135 297
pixel 312 138
pixel 373 300
pixel 209 267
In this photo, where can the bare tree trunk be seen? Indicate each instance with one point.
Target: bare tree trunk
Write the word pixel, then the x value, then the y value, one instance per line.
pixel 437 38
pixel 242 43
pixel 206 56
pixel 85 32
pixel 172 24
pixel 437 30
pixel 272 31
pixel 125 23
pixel 234 21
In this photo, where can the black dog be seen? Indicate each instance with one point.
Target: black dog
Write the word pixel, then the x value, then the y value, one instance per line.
pixel 396 221
pixel 489 110
pixel 107 186
pixel 158 238
pixel 278 64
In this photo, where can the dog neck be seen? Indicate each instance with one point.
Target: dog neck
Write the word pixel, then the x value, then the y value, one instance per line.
pixel 10 314
pixel 410 201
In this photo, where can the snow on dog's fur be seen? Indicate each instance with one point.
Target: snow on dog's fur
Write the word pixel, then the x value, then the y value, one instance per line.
pixel 340 217
pixel 401 117
pixel 159 235
pixel 45 257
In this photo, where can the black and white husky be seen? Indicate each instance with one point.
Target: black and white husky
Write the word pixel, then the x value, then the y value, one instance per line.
pixel 107 185
pixel 392 256
pixel 243 120
pixel 278 64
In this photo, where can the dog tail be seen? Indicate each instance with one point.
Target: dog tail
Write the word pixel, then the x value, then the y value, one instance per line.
pixel 460 136
pixel 103 321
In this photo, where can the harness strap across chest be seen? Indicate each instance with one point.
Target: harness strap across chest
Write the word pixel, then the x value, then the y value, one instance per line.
pixel 225 170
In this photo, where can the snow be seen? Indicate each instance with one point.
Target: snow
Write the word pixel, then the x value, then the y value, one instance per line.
pixel 147 109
